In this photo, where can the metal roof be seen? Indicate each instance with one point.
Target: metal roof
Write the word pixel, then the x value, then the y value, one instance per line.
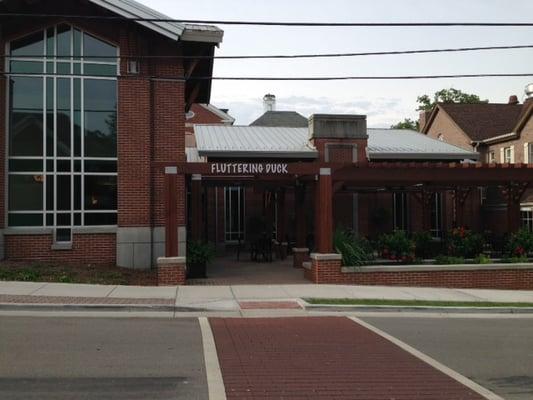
pixel 253 142
pixel 276 142
pixel 289 119
pixel 172 30
pixel 408 144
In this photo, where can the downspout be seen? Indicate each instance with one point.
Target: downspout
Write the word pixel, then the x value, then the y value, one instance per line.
pixel 152 157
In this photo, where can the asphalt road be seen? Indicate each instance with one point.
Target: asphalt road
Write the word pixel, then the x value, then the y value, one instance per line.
pixel 87 358
pixel 496 353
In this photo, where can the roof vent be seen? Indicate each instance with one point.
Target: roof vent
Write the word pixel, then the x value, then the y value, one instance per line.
pixel 529 91
pixel 513 99
pixel 269 102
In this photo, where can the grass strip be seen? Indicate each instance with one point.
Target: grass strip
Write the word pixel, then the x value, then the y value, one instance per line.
pixel 409 303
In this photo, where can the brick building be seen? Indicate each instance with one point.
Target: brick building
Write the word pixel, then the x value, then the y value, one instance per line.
pixel 89 108
pixel 501 133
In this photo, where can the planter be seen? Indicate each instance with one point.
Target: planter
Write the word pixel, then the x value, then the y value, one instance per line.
pixel 197 271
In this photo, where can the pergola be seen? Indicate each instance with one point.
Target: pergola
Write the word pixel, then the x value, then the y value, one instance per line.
pixel 423 179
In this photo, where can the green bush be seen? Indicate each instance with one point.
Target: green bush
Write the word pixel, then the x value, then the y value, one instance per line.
pixel 397 246
pixel 515 260
pixel 424 247
pixel 482 259
pixel 464 243
pixel 447 260
pixel 200 253
pixel 519 244
pixel 355 251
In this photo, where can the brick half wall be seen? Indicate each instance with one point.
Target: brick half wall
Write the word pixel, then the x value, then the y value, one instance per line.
pixel 86 249
pixel 330 272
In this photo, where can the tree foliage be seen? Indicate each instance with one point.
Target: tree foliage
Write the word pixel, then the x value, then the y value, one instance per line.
pixel 407 123
pixel 426 103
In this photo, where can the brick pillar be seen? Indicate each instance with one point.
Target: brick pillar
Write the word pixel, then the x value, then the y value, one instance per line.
pixel 300 252
pixel 196 207
pixel 324 228
pixel 171 271
pixel 325 268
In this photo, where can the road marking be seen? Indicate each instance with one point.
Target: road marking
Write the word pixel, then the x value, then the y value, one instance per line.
pixel 434 363
pixel 215 384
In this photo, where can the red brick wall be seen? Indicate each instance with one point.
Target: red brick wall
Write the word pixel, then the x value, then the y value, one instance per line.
pixel 171 274
pixel 329 272
pixel 86 249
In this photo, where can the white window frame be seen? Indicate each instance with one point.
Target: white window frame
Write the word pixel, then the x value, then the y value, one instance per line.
pixel 492 157
pixel 238 193
pixel 526 218
pixel 54 158
pixel 507 155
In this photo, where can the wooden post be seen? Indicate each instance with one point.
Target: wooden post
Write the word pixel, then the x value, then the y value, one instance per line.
pixel 324 199
pixel 171 212
pixel 460 194
pixel 281 228
pixel 299 211
pixel 196 207
pixel 513 194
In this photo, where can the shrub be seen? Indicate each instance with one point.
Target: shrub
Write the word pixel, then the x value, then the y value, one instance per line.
pixel 397 246
pixel 200 253
pixel 423 244
pixel 447 260
pixel 464 243
pixel 519 244
pixel 482 259
pixel 515 260
pixel 355 251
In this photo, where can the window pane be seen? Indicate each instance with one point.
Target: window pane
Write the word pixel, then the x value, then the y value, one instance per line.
pixel 25 220
pixel 64 34
pixel 50 48
pixel 26 67
pixel 49 219
pixel 63 235
pixel 100 219
pixel 26 134
pixel 63 68
pixel 25 165
pixel 100 95
pixel 77 192
pixel 100 192
pixel 100 166
pixel 49 193
pixel 100 70
pixel 26 93
pixel 31 45
pixel 63 219
pixel 77 43
pixel 63 192
pixel 100 134
pixel 93 47
pixel 25 192
pixel 63 117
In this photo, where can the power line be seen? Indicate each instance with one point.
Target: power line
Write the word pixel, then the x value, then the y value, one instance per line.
pixel 273 23
pixel 284 56
pixel 272 78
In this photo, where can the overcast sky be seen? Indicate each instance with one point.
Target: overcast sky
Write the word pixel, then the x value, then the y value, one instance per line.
pixel 385 102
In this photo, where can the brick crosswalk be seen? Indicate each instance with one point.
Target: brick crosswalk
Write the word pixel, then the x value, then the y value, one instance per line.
pixel 322 358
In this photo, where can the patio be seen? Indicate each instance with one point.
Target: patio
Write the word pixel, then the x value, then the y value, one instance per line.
pixel 226 270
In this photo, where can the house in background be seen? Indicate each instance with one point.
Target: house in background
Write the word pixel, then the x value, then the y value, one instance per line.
pixel 501 133
pixel 204 114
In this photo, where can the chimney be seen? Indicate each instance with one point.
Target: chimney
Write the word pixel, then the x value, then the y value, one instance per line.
pixel 513 100
pixel 529 91
pixel 423 119
pixel 269 102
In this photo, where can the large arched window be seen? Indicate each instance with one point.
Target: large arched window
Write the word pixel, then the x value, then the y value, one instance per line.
pixel 62 135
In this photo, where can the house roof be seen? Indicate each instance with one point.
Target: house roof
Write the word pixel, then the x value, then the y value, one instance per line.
pixel 480 121
pixel 287 119
pixel 283 142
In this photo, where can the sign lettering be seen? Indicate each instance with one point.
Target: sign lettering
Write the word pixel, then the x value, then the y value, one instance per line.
pixel 249 168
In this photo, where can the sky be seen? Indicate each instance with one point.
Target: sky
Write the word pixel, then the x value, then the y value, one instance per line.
pixel 384 102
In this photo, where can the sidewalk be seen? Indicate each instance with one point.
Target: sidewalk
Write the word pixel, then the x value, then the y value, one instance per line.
pixel 231 298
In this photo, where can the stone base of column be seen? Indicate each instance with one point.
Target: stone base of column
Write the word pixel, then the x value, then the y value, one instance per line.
pixel 325 268
pixel 171 271
pixel 300 255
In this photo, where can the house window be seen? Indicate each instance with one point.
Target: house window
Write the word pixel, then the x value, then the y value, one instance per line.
pixel 62 139
pixel 527 218
pixel 400 211
pixel 492 157
pixel 530 153
pixel 507 155
pixel 436 215
pixel 234 213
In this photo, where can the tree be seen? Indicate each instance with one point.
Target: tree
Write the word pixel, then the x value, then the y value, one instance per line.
pixel 426 103
pixel 407 123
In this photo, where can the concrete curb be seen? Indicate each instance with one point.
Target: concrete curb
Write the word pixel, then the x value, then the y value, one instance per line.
pixel 425 309
pixel 98 307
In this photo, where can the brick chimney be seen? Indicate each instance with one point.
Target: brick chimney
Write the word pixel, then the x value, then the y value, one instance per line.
pixel 339 138
pixel 513 99
pixel 269 102
pixel 423 119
